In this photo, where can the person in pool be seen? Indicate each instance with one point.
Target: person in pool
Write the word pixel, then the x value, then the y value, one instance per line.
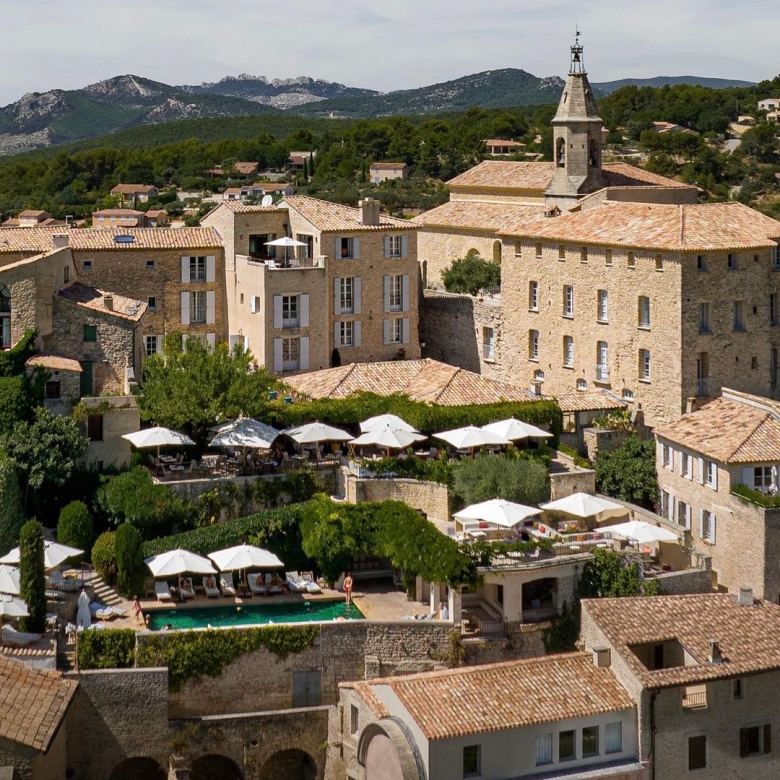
pixel 348 587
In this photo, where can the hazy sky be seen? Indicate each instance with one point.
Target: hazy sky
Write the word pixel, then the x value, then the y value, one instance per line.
pixel 404 44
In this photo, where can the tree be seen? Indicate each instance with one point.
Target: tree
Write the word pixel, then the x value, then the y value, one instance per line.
pixel 610 575
pixel 628 473
pixel 513 479
pixel 471 274
pixel 75 526
pixel 11 505
pixel 129 560
pixel 32 578
pixel 104 556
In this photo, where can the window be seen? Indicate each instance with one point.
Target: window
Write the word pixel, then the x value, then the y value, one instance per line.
pixel 346 333
pixel 533 296
pixel 773 363
pixel 739 315
pixel 396 330
pixel 707 530
pixel 697 752
pixel 686 465
pixel 776 258
pixel 567 745
pixel 346 248
pixel 602 313
pixel 568 351
pixel 241 298
pixel 518 248
pixel 602 361
pixel 754 363
pixel 659 263
pixel 628 395
pixel 150 345
pixel 306 688
pixel 289 311
pixel 644 365
pixel 290 354
pixel 66 274
pixel 762 478
pixel 151 303
pixel 683 514
pixel 667 457
pixel 710 474
pixel 773 309
pixel 5 317
pixel 568 301
pixel 90 333
pixel 582 384
pixel 755 740
pixel 488 344
pixel 197 307
pixel 307 251
pixel 472 760
pixel 701 263
pixel 258 248
pixel 704 318
pixel 533 345
pixel 87 266
pixel 584 254
pixel 53 389
pixel 150 265
pixel 644 311
pixel 396 292
pixel 394 246
pixel 95 427
pixel 731 262
pixel 197 269
pixel 561 252
pixel 354 719
pixel 738 689
pixel 631 260
pixel 590 741
pixel 544 749
pixel 347 295
pixel 608 256
pixel 613 737
pixel 538 249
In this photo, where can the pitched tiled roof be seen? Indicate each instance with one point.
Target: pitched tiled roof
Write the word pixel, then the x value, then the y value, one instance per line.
pixel 480 216
pixel 29 213
pixel 34 239
pixel 92 298
pixel 132 189
pixel 494 697
pixel 387 166
pixel 589 401
pixel 746 635
pixel 246 168
pixel 145 238
pixel 117 213
pixel 688 228
pixel 422 380
pixel 54 363
pixel 735 428
pixel 500 174
pixel 330 217
pixel 625 175
pixel 33 703
pixel 237 207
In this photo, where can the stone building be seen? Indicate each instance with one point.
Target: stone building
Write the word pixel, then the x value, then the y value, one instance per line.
pixel 733 440
pixel 385 171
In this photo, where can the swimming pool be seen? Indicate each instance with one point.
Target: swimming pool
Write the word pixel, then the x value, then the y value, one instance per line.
pixel 253 614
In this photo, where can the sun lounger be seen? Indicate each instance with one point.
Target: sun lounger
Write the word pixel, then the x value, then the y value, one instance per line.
pixel 55 581
pixel 210 587
pixel 101 611
pixel 256 584
pixel 186 589
pixel 311 583
pixel 274 584
pixel 10 636
pixel 295 582
pixel 227 586
pixel 162 591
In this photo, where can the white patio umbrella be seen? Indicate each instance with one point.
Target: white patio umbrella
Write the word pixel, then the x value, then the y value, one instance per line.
pixel 54 554
pixel 643 532
pixel 498 511
pixel 179 561
pixel 311 433
pixel 157 437
pixel 583 505
pixel 245 556
pixel 83 616
pixel 9 580
pixel 386 420
pixel 389 438
pixel 245 432
pixel 512 430
pixel 12 607
pixel 286 242
pixel 470 437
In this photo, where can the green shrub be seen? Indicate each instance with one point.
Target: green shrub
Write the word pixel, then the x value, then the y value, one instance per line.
pixel 12 361
pixel 628 473
pixel 583 463
pixel 15 402
pixel 32 578
pixel 11 505
pixel 754 496
pixel 104 556
pixel 75 526
pixel 513 479
pixel 471 274
pixel 412 468
pixel 109 649
pixel 129 560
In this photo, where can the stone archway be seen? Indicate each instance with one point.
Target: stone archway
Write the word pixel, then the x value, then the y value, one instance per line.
pixel 139 768
pixel 290 764
pixel 215 767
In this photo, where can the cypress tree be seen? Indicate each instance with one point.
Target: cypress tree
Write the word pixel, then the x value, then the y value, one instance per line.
pixel 11 505
pixel 129 560
pixel 32 578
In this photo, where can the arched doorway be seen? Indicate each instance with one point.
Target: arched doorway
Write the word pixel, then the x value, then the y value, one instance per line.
pixel 382 762
pixel 289 764
pixel 215 767
pixel 5 317
pixel 139 768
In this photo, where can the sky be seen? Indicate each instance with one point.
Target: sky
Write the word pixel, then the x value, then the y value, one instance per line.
pixel 405 44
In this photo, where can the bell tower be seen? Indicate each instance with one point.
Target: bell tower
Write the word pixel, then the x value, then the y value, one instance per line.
pixel 576 138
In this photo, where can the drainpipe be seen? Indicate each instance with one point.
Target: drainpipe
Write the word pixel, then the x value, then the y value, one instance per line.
pixel 651 754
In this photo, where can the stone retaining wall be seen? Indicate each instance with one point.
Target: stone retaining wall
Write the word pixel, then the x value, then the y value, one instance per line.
pixel 429 497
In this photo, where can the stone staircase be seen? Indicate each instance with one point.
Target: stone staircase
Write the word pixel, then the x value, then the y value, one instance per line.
pixel 66 660
pixel 105 594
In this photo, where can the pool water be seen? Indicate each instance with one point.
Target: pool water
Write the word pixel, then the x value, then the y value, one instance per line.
pixel 253 614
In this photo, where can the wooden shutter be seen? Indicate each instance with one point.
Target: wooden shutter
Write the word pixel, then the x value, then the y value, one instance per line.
pixel 701 524
pixel 303 302
pixel 404 246
pixel 211 307
pixel 337 334
pixel 159 347
pixel 387 246
pixel 185 308
pixel 232 341
pixel 303 353
pixel 714 475
pixel 253 304
pixel 386 330
pixel 357 288
pixel 386 293
pixel 356 333
pixel 277 311
pixel 278 364
pixel 337 295
pixel 337 247
pixel 713 530
pixel 405 330
pixel 185 270
pixel 744 743
pixel 767 738
pixel 747 476
pixel 688 513
pixel 356 248
pixel 701 471
pixel 211 340
pixel 405 292
pixel 211 269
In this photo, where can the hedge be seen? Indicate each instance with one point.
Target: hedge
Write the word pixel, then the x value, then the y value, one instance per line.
pixel 110 649
pixel 755 496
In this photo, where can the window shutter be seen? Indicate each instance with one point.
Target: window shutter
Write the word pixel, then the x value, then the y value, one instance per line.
pixel 357 288
pixel 714 475
pixel 672 507
pixel 337 247
pixel 277 311
pixel 185 308
pixel 387 246
pixel 278 363
pixel 386 330
pixel 386 293
pixel 713 523
pixel 303 353
pixel 336 334
pixel 337 295
pixel 688 512
pixel 744 743
pixel 304 304
pixel 404 246
pixel 232 341
pixel 211 340
pixel 405 330
pixel 211 274
pixel 701 524
pixel 747 477
pixel 701 471
pixel 185 270
pixel 159 345
pixel 767 738
pixel 211 303
pixel 356 248
pixel 356 334
pixel 253 304
pixel 405 292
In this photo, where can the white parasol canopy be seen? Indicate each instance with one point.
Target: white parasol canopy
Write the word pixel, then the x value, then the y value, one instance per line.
pixel 179 561
pixel 285 241
pixel 83 616
pixel 513 430
pixel 470 437
pixel 54 554
pixel 386 420
pixel 584 505
pixel 315 432
pixel 157 437
pixel 245 556
pixel 245 432
pixel 643 532
pixel 12 607
pixel 391 438
pixel 498 511
pixel 9 580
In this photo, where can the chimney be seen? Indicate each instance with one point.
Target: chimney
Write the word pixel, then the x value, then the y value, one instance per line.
pixel 602 657
pixel 60 240
pixel 715 656
pixel 745 597
pixel 369 211
pixel 108 302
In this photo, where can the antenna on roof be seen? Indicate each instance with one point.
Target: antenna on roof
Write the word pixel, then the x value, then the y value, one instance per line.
pixel 267 201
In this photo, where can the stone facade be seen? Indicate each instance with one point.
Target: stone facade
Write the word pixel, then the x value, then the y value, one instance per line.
pixel 429 497
pixel 596 440
pixel 437 247
pixel 106 447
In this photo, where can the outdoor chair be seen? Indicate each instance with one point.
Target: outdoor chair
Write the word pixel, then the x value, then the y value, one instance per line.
pixel 295 582
pixel 162 591
pixel 10 636
pixel 274 584
pixel 227 586
pixel 256 585
pixel 186 589
pixel 210 587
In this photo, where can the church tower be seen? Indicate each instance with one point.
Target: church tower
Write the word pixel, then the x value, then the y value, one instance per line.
pixel 576 139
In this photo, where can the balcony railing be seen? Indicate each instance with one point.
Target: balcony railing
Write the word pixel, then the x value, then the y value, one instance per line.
pixel 474 626
pixel 703 387
pixel 602 373
pixel 695 697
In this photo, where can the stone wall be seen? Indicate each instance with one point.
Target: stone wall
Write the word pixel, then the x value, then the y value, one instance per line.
pixel 429 497
pixel 577 480
pixel 597 440
pixel 688 581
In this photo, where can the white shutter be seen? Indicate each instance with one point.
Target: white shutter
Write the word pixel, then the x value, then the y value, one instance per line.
pixel 682 461
pixel 712 528
pixel 303 353
pixel 337 247
pixel 672 508
pixel 404 246
pixel 701 471
pixel 336 335
pixel 185 308
pixel 714 475
pixel 253 304
pixel 356 248
pixel 405 289
pixel 357 287
pixel 405 330
pixel 356 333
pixel 211 340
pixel 185 270
pixel 747 477
pixel 211 274
pixel 688 513
pixel 386 331
pixel 337 295
pixel 701 524
pixel 278 363
pixel 232 341
pixel 277 311
pixel 386 293
pixel 387 246
pixel 159 347
pixel 211 310
pixel 303 302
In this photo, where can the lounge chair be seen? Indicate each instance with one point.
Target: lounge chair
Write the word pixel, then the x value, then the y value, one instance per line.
pixel 296 583
pixel 186 589
pixel 101 611
pixel 10 636
pixel 273 584
pixel 311 583
pixel 55 581
pixel 227 586
pixel 210 587
pixel 162 591
pixel 256 585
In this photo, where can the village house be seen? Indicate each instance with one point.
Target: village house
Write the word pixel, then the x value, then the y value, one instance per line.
pixel 386 171
pixel 134 193
pixel 769 104
pixel 30 218
pixel 258 190
pixel 118 218
pixel 497 147
pixel 296 159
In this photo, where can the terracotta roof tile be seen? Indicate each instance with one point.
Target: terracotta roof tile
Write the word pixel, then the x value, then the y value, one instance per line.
pixel 54 363
pixel 237 207
pixel 33 702
pixel 589 401
pixel 34 239
pixel 746 635
pixel 625 175
pixel 388 166
pixel 331 217
pixel 501 174
pixel 480 216
pixel 494 697
pixel 246 168
pixel 92 298
pixel 132 189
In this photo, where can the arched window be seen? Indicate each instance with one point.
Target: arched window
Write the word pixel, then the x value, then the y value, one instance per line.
pixel 595 153
pixel 560 152
pixel 5 317
pixel 497 252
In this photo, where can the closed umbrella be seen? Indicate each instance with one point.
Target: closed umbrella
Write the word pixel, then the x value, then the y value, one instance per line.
pixel 54 554
pixel 498 511
pixel 584 505
pixel 386 420
pixel 9 580
pixel 12 607
pixel 245 556
pixel 179 561
pixel 83 616
pixel 512 430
